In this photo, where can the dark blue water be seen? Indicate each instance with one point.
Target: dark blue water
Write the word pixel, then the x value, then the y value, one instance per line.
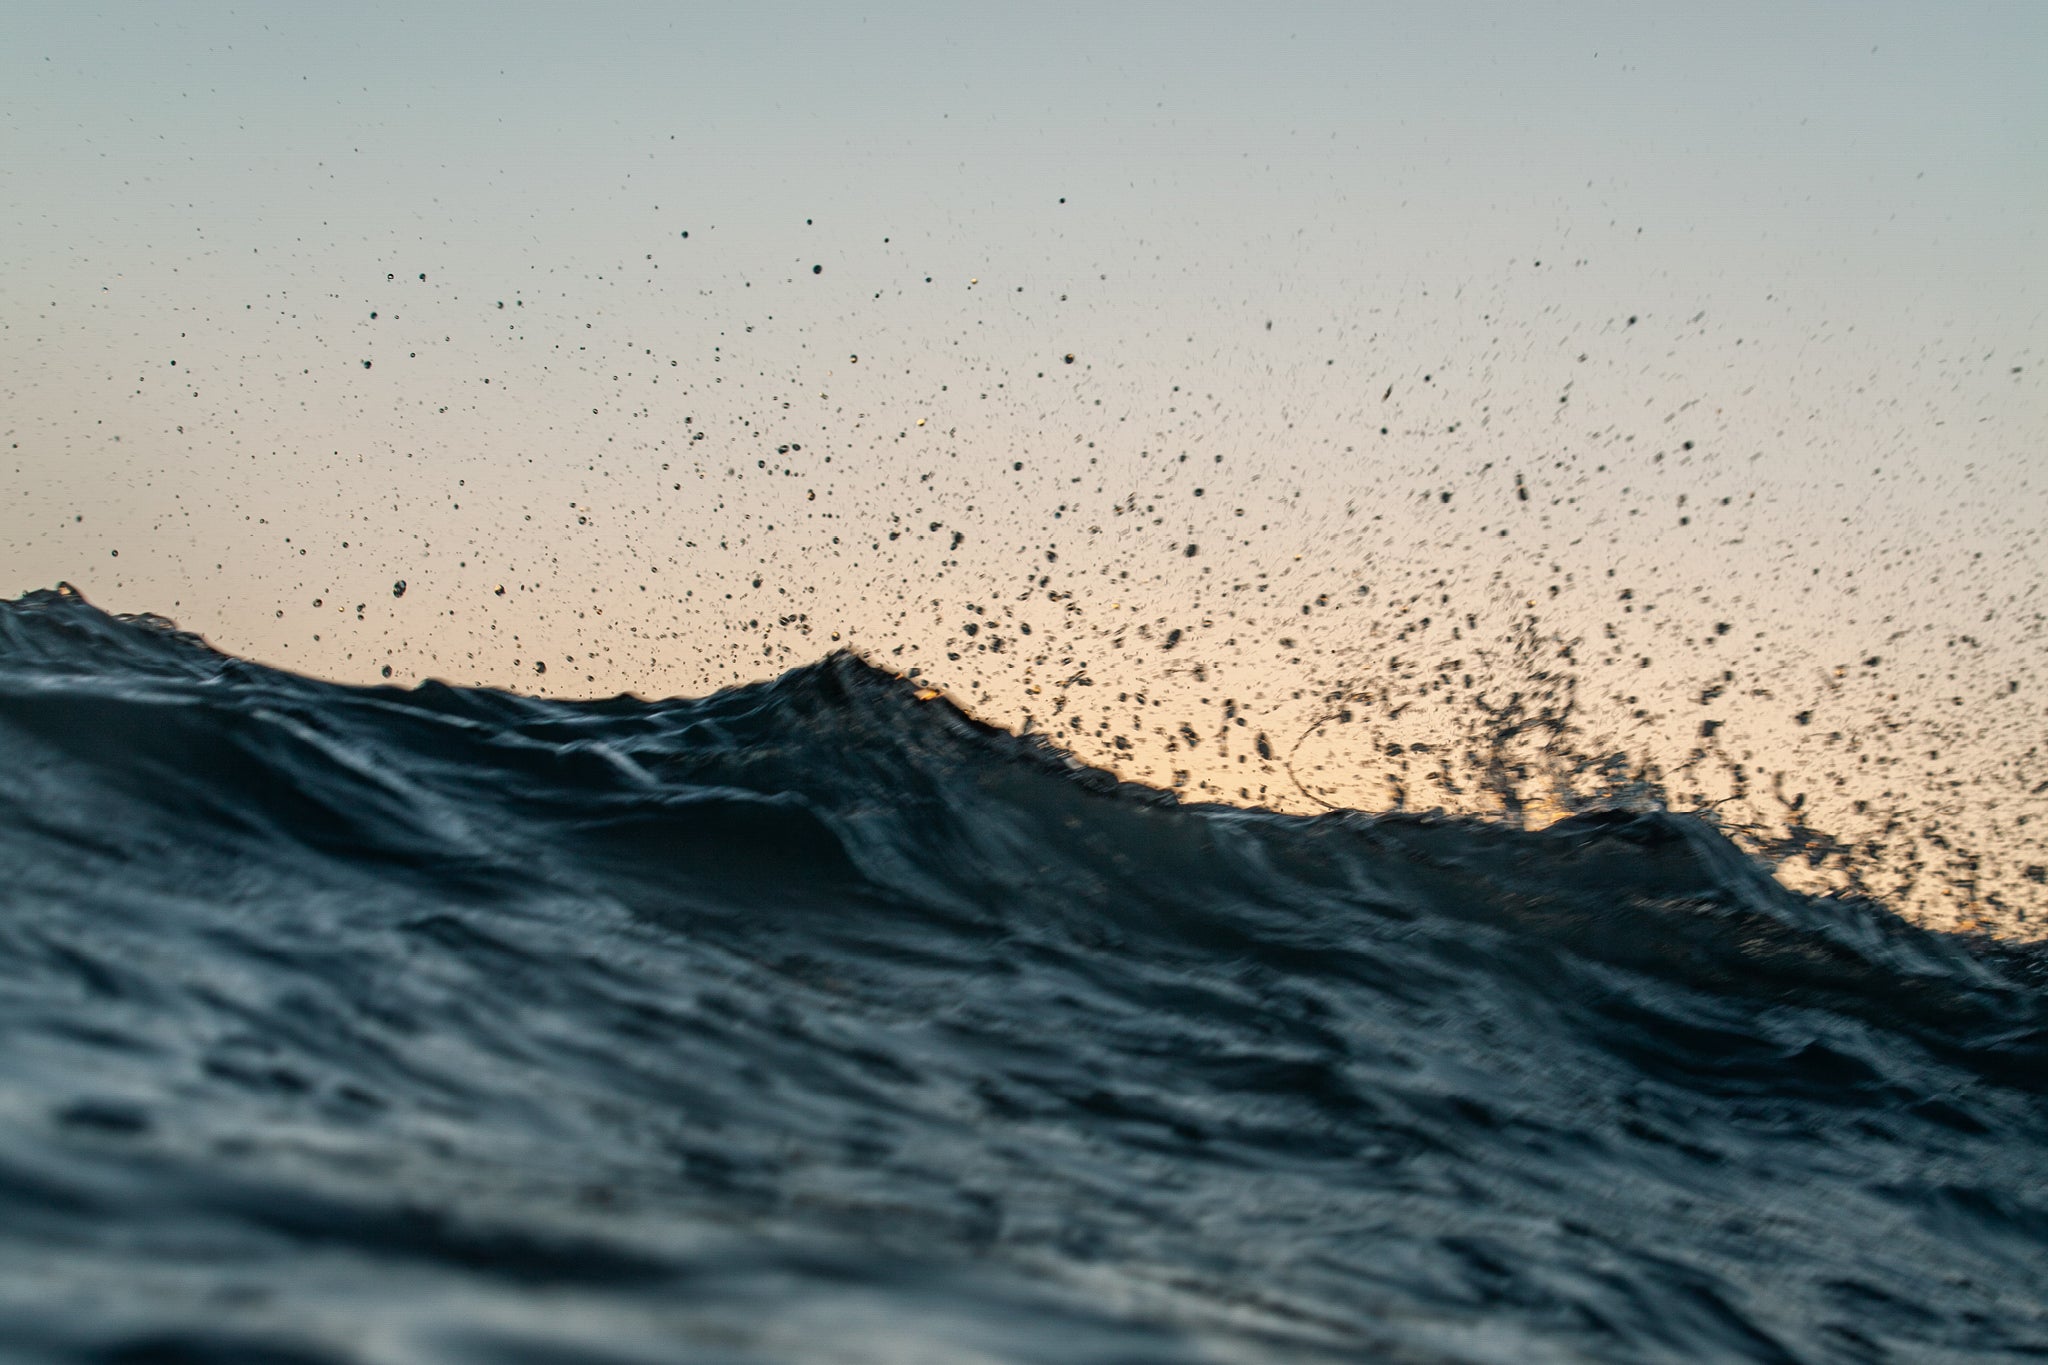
pixel 809 1022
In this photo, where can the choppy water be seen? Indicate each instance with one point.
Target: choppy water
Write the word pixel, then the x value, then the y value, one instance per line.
pixel 812 1022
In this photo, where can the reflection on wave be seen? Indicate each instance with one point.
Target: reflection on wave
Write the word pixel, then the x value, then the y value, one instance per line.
pixel 813 1021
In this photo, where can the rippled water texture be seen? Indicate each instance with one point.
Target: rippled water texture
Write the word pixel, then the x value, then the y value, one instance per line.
pixel 810 1021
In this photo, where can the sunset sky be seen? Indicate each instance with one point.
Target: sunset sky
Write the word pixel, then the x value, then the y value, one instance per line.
pixel 1445 310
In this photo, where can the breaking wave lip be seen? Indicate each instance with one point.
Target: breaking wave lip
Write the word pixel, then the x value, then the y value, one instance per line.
pixel 809 1020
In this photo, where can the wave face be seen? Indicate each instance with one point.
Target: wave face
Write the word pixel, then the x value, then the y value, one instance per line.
pixel 809 1021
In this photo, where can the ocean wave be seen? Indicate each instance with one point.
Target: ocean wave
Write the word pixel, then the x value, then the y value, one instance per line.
pixel 816 1020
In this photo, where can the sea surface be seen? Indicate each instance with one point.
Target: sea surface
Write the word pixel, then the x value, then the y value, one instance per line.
pixel 812 1021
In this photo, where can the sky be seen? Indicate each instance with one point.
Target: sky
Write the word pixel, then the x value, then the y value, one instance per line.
pixel 1655 353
